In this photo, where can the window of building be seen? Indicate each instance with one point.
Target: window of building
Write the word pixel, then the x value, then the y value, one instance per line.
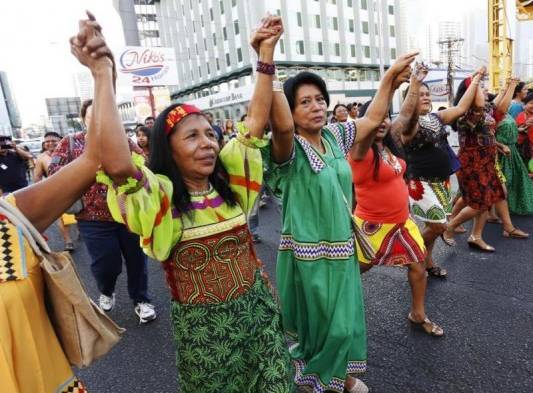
pixel 278 12
pixel 364 6
pixel 393 53
pixel 319 49
pixel 365 27
pixel 352 50
pixel 300 47
pixel 199 71
pixel 227 59
pixel 236 27
pixel 225 33
pixel 351 25
pixel 391 10
pixel 281 46
pixel 205 44
pixel 333 23
pixel 376 31
pixel 208 69
pixel 392 31
pixel 349 3
pixel 337 49
pixel 221 3
pixel 233 3
pixel 317 21
pixel 196 47
pixel 333 1
pixel 202 20
pixel 218 64
pixel 367 51
pixel 299 18
pixel 239 55
pixel 211 14
pixel 214 39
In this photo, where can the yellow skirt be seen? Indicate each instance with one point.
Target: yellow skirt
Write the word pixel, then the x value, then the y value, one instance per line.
pixel 393 244
pixel 31 358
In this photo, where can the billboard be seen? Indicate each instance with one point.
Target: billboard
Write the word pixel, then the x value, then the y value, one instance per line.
pixel 138 66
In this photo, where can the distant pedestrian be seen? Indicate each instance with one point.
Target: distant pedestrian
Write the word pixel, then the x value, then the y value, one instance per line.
pixel 517 104
pixel 107 241
pixel 149 121
pixel 13 165
pixel 40 172
pixel 218 131
pixel 143 139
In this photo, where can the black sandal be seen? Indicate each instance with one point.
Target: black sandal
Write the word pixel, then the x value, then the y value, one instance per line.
pixel 437 272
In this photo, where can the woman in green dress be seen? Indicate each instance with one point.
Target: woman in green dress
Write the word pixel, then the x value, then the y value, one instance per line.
pixel 317 270
pixel 519 185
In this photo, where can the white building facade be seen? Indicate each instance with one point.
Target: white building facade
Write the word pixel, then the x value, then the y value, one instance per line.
pixel 345 41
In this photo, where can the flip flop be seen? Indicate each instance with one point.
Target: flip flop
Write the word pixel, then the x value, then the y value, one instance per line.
pixel 437 272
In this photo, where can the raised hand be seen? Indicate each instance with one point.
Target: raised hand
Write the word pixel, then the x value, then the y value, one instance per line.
pixel 402 62
pixel 270 27
pixel 89 46
pixel 420 73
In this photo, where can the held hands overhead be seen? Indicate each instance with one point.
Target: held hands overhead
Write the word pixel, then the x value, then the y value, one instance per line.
pixel 267 34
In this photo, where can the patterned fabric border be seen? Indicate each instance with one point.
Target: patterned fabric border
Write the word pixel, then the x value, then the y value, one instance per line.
pixel 316 162
pixel 210 229
pixel 344 139
pixel 74 385
pixel 336 384
pixel 314 251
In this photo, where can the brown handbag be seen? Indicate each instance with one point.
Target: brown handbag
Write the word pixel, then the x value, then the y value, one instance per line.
pixel 85 332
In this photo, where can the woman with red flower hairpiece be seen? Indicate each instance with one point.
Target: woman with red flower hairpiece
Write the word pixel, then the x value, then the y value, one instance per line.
pixel 190 208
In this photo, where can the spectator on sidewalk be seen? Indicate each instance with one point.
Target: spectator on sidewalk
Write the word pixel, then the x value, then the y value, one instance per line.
pixel 107 241
pixel 13 165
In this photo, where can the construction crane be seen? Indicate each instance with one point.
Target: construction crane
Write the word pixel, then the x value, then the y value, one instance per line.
pixel 500 45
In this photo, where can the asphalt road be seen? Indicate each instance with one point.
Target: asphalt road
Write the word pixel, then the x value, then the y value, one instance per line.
pixel 485 307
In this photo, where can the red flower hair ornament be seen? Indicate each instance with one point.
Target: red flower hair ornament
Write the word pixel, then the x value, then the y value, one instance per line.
pixel 178 114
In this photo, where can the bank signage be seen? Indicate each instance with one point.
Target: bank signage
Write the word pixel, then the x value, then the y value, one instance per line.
pixel 236 96
pixel 139 66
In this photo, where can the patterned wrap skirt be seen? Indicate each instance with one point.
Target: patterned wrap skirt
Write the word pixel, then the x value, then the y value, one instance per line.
pixel 393 244
pixel 233 347
pixel 478 178
pixel 431 201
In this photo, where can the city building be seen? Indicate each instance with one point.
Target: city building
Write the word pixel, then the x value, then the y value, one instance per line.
pixel 64 114
pixel 345 41
pixel 139 22
pixel 83 85
pixel 10 122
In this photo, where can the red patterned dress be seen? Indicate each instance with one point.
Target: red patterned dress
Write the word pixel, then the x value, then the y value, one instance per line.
pixel 479 182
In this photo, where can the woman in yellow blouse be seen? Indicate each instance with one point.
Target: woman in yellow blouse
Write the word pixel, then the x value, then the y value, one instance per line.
pixel 31 358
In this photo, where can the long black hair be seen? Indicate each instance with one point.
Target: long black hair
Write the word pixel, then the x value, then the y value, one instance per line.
pixel 388 141
pixel 162 162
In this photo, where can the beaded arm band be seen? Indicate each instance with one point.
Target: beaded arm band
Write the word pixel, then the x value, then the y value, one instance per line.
pixel 265 68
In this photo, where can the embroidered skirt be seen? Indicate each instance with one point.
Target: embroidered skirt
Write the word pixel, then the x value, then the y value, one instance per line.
pixel 393 244
pixel 431 201
pixel 235 346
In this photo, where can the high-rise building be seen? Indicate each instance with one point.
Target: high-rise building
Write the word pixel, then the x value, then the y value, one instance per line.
pixel 139 22
pixel 83 85
pixel 63 113
pixel 10 122
pixel 342 40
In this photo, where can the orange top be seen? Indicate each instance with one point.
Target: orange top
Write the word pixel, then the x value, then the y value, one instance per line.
pixel 385 200
pixel 520 120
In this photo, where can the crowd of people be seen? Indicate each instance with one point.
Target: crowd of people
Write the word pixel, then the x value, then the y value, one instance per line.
pixel 186 192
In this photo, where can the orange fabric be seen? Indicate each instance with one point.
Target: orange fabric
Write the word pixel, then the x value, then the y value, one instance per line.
pixel 385 200
pixel 165 204
pixel 520 120
pixel 247 183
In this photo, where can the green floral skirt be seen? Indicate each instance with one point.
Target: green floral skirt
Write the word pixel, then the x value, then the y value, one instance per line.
pixel 235 346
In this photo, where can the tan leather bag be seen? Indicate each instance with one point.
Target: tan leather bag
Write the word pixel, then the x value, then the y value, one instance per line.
pixel 84 330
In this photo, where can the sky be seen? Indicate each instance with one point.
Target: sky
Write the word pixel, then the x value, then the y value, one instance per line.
pixel 35 53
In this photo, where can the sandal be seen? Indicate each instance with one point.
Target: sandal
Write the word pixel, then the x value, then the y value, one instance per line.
pixel 515 233
pixel 449 241
pixel 494 220
pixel 460 229
pixel 358 387
pixel 473 242
pixel 429 327
pixel 437 272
